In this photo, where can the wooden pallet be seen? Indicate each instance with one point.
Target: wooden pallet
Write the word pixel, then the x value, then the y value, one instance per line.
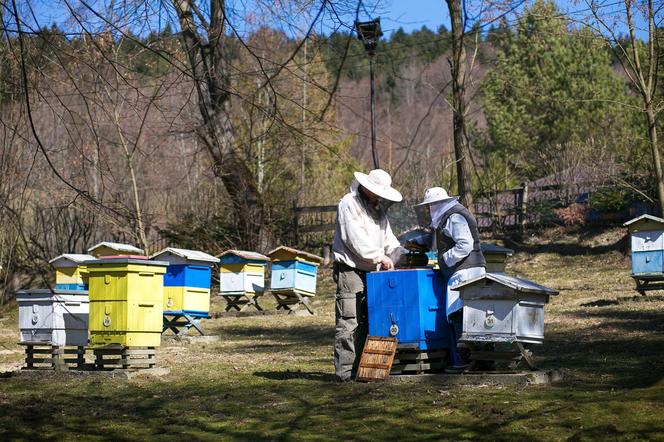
pixel 120 357
pixel 241 302
pixel 53 357
pixel 376 360
pixel 415 361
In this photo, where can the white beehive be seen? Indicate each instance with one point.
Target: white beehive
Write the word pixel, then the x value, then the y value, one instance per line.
pixel 501 308
pixel 58 317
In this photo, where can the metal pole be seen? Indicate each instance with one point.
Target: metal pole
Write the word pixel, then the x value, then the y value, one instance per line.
pixel 374 154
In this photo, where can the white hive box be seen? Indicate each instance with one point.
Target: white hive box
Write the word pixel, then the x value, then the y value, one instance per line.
pixel 242 272
pixel 58 317
pixel 501 308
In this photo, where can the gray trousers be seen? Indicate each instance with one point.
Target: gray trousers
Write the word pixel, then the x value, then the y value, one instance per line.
pixel 351 320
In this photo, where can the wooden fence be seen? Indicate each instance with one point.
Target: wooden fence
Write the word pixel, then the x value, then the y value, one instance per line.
pixel 507 209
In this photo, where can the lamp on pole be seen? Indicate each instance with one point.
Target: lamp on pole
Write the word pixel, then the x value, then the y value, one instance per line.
pixel 369 33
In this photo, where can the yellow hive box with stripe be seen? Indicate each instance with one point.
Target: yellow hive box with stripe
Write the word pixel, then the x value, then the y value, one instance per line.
pixel 187 280
pixel 70 271
pixel 126 298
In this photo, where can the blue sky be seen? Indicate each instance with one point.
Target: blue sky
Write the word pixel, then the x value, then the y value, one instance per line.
pixel 408 14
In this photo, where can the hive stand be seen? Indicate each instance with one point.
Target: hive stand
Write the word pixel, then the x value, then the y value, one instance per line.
pixel 242 301
pixel 126 358
pixel 291 301
pixel 179 322
pixel 409 359
pixel 515 354
pixel 53 357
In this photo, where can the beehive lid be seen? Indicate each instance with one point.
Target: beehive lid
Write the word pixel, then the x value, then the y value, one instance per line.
pixel 490 248
pixel 118 247
pixel 645 222
pixel 35 295
pixel 70 259
pixel 190 255
pixel 518 284
pixel 127 260
pixel 283 253
pixel 228 255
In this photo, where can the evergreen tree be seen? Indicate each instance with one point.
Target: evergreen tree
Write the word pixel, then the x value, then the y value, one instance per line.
pixel 552 85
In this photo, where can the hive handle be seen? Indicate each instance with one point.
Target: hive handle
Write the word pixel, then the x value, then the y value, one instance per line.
pixel 146 305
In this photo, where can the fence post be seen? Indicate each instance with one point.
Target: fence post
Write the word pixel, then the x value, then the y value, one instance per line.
pixel 523 206
pixel 296 222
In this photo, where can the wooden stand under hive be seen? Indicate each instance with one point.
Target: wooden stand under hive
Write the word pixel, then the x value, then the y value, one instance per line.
pixel 126 358
pixel 53 357
pixel 293 279
pixel 412 360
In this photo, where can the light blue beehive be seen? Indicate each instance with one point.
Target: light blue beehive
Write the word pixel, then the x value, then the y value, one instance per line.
pixel 647 239
pixel 293 271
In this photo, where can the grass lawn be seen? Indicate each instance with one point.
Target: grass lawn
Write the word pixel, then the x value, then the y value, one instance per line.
pixel 270 376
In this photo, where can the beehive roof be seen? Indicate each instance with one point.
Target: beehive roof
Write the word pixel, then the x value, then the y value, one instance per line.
pixel 245 254
pixel 518 284
pixel 488 247
pixel 283 251
pixel 76 258
pixel 192 255
pixel 116 246
pixel 644 220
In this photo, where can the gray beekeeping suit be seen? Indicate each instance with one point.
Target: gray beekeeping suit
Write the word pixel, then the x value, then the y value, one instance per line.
pixel 363 242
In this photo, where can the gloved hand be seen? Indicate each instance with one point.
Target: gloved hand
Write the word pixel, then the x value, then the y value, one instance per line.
pixel 386 264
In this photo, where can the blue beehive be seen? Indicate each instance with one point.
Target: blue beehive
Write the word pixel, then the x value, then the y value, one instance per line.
pixel 187 281
pixel 293 271
pixel 408 305
pixel 647 235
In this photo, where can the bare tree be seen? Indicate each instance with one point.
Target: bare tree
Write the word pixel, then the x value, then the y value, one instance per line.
pixel 640 61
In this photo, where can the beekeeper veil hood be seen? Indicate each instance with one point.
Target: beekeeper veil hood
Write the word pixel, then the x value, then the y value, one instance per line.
pixel 439 203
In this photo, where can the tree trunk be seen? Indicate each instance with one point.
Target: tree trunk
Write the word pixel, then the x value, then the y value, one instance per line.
pixel 208 62
pixel 461 142
pixel 656 158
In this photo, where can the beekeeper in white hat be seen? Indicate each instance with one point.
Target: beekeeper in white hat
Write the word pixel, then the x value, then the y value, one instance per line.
pixel 457 238
pixel 363 242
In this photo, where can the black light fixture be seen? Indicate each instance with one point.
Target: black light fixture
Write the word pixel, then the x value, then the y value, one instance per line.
pixel 368 32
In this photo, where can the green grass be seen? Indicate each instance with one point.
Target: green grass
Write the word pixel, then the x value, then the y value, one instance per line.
pixel 270 377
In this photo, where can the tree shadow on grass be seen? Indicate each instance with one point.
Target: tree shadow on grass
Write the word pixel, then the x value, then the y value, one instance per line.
pixel 568 248
pixel 607 355
pixel 288 375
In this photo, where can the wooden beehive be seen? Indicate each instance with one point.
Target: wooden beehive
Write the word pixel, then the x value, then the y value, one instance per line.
pixel 70 271
pixel 187 280
pixel 126 299
pixel 53 317
pixel 293 271
pixel 242 272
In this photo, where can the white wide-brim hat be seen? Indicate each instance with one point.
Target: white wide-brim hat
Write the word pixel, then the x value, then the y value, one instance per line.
pixel 434 195
pixel 379 183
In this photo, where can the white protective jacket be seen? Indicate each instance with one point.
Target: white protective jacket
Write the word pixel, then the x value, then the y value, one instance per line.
pixel 360 241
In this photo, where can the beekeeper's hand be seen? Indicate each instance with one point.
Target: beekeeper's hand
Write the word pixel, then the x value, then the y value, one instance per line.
pixel 386 264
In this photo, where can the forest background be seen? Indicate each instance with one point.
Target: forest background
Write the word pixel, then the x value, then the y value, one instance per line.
pixel 105 119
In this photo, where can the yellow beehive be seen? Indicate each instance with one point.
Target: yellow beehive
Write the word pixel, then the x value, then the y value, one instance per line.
pixel 70 272
pixel 126 297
